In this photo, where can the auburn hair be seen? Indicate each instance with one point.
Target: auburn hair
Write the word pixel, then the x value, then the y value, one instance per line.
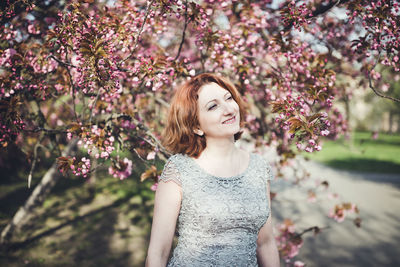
pixel 179 136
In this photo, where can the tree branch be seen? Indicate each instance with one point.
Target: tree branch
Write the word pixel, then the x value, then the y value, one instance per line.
pixel 73 93
pixel 35 150
pixel 149 4
pixel 140 157
pixel 184 31
pixel 48 131
pixel 379 93
pixel 319 10
pixel 372 86
pixel 156 144
pixel 315 229
pixel 61 62
pixel 93 106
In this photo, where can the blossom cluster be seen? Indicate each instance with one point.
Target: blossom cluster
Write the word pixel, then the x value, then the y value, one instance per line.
pixel 121 168
pixel 341 211
pixel 98 142
pixel 80 168
pixel 8 133
pixel 380 22
pixel 288 241
pixel 296 15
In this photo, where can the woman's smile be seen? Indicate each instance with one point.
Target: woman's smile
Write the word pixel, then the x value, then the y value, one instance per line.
pixel 230 121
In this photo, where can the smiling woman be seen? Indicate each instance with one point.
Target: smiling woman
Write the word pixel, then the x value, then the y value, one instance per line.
pixel 179 135
pixel 218 193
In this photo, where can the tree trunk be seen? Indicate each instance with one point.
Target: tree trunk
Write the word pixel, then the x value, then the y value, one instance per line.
pixel 36 198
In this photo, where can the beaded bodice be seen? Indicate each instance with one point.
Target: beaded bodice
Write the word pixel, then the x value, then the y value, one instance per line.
pixel 220 218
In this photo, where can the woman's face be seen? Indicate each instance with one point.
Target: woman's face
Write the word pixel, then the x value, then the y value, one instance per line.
pixel 218 112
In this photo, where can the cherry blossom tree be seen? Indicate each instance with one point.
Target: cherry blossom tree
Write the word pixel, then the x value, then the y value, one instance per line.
pixel 99 75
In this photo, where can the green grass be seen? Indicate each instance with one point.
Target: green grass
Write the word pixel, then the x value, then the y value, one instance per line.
pixel 361 153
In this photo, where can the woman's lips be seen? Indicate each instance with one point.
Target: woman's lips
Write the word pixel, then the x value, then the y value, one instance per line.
pixel 230 121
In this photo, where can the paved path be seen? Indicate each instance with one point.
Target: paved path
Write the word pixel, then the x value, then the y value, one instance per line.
pixel 376 243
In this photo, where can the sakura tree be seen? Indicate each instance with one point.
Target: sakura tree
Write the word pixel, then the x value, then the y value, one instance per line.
pixel 99 74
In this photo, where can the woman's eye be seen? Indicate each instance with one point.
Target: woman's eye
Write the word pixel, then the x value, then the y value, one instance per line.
pixel 229 98
pixel 212 107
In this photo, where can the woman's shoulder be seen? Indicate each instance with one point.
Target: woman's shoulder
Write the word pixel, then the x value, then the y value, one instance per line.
pixel 263 165
pixel 258 157
pixel 172 169
pixel 260 160
pixel 176 158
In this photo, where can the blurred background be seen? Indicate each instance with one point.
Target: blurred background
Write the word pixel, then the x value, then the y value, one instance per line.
pixel 338 206
pixel 106 222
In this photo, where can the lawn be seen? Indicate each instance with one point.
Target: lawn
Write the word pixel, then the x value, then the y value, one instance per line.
pixel 362 153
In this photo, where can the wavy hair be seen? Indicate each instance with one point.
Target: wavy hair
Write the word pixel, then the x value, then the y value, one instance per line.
pixel 179 136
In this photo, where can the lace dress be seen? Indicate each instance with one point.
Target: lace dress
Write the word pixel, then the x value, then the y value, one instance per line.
pixel 220 218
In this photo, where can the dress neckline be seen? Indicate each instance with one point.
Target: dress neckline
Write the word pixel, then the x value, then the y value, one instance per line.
pixel 243 173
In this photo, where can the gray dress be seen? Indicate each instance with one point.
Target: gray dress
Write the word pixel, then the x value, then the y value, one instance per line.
pixel 220 218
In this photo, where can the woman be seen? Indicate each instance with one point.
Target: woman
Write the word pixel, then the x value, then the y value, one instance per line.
pixel 218 193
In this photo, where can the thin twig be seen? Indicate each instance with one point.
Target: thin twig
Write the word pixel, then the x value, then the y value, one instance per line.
pixel 373 88
pixel 48 131
pixel 140 157
pixel 184 31
pixel 157 145
pixel 313 228
pixel 93 106
pixel 62 62
pixel 66 65
pixel 378 93
pixel 73 93
pixel 149 4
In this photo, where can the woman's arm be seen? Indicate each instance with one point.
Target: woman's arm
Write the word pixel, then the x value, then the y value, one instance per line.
pixel 267 251
pixel 166 210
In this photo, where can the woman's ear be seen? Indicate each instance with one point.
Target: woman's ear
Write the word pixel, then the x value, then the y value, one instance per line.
pixel 198 132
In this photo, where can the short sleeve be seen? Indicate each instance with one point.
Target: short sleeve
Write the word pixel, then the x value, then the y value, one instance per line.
pixel 170 172
pixel 266 169
pixel 270 175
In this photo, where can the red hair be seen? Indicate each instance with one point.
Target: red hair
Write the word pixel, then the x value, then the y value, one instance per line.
pixel 179 136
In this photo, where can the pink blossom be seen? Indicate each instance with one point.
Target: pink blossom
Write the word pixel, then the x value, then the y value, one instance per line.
pixel 300 146
pixel 154 187
pixel 325 132
pixel 385 87
pixel 124 171
pixel 151 155
pixel 298 264
pixel 7 55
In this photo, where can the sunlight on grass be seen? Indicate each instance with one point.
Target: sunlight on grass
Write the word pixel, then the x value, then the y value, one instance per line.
pixel 361 153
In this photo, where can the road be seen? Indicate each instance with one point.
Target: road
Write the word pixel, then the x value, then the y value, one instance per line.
pixel 376 243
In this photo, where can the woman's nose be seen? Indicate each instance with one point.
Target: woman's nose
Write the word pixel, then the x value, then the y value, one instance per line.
pixel 228 108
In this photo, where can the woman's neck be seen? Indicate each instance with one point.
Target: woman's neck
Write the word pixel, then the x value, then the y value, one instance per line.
pixel 219 148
